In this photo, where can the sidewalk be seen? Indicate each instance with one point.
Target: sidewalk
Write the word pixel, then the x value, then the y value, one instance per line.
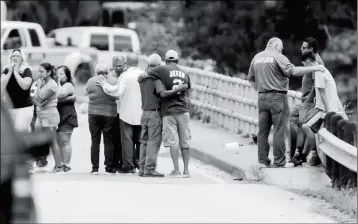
pixel 208 145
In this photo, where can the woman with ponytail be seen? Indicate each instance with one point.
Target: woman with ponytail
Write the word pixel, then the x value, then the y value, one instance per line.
pixel 68 114
pixel 45 100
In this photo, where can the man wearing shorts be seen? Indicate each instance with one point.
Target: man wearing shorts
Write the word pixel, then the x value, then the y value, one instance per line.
pixel 172 85
pixel 327 100
pixel 300 112
pixel 269 74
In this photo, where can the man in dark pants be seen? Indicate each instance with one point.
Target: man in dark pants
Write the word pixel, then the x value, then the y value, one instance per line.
pixel 128 92
pixel 119 66
pixel 269 74
pixel 151 136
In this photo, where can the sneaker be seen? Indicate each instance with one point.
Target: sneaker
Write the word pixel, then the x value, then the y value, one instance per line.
pixel 300 157
pixel 57 169
pixel 153 174
pixel 124 171
pixel 174 174
pixel 66 168
pixel 42 163
pixel 314 160
pixel 140 173
pixel 295 162
pixel 94 171
pixel 261 165
pixel 111 171
pixel 37 169
pixel 186 175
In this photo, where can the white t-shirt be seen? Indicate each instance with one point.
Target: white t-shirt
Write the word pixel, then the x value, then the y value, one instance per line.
pixel 325 80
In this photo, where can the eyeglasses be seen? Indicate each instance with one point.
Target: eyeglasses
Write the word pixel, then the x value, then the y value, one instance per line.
pixel 102 73
pixel 304 47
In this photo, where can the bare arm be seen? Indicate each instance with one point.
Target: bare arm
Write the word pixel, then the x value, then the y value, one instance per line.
pixel 66 90
pixel 24 80
pixel 44 93
pixel 301 71
pixel 163 93
pixel 289 69
pixel 70 98
pixel 5 77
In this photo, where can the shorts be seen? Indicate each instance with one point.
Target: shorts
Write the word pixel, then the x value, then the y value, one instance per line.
pixel 316 121
pixel 65 127
pixel 176 130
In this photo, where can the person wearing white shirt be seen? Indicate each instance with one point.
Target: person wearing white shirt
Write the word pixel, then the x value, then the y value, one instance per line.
pixel 326 100
pixel 118 67
pixel 130 112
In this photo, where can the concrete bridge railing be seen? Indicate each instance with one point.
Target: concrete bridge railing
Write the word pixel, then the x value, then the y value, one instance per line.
pixel 231 103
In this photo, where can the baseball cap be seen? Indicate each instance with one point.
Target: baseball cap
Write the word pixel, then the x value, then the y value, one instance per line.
pixel 171 55
pixel 154 59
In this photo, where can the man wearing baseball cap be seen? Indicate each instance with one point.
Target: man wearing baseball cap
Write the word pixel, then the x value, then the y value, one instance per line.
pixel 172 85
pixel 151 122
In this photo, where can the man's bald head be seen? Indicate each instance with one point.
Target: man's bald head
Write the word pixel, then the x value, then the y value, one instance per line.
pixel 118 59
pixel 119 64
pixel 132 60
pixel 276 43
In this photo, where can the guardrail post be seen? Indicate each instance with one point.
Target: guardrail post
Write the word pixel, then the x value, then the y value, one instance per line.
pixel 336 178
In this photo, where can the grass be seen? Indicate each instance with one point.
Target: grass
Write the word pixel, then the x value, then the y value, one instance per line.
pixel 344 200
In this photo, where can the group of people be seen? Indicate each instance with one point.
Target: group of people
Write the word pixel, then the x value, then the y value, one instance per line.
pixel 42 101
pixel 269 75
pixel 136 111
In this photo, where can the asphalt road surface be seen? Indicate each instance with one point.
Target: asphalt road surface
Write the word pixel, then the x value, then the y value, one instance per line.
pixel 208 196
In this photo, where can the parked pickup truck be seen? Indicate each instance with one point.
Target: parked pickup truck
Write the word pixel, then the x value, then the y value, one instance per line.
pixel 109 41
pixel 31 38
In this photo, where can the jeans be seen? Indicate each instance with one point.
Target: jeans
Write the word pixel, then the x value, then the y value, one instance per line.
pixel 273 110
pixel 130 135
pixel 99 124
pixel 151 138
pixel 117 143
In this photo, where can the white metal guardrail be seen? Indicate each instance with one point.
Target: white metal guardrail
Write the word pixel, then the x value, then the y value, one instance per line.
pixel 231 103
pixel 342 152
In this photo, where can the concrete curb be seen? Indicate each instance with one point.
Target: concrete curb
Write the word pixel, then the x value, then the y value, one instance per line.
pixel 235 171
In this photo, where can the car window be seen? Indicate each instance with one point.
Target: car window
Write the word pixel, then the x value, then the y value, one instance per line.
pixel 13 40
pixel 34 38
pixel 123 43
pixel 99 41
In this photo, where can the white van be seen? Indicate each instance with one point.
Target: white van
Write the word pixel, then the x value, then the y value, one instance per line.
pixel 103 38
